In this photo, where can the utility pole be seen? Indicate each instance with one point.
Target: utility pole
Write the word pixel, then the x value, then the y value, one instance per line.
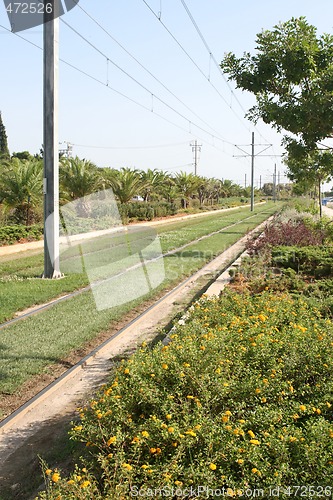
pixel 252 173
pixel 274 184
pixel 245 182
pixel 196 148
pixel 260 182
pixel 253 155
pixel 51 155
pixel 278 186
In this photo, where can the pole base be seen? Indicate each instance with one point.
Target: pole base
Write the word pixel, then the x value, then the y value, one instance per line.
pixel 55 276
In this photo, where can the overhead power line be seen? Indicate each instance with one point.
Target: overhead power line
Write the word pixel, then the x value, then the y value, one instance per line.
pixel 152 94
pixel 121 93
pixel 144 67
pixel 212 57
pixel 195 64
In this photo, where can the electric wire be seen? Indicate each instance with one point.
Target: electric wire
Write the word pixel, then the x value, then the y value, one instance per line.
pixel 144 68
pixel 122 94
pixel 154 96
pixel 196 65
pixel 212 57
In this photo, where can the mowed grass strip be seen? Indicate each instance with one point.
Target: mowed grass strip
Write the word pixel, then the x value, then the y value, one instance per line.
pixel 29 347
pixel 21 286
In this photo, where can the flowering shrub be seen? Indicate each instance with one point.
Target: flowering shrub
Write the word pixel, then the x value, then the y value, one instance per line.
pixel 241 398
pixel 289 233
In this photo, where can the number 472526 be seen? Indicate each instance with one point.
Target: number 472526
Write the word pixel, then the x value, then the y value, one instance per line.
pixel 29 8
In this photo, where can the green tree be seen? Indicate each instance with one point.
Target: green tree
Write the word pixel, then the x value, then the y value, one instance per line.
pixel 152 182
pixel 187 185
pixel 291 76
pixel 78 179
pixel 21 190
pixel 4 151
pixel 126 183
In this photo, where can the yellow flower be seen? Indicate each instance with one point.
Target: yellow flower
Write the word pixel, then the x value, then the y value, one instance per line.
pixel 251 434
pixel 190 433
pixel 55 477
pixel 168 416
pixel 78 428
pixel 228 413
pixel 145 434
pixel 212 466
pixel 254 441
pixel 165 366
pixel 262 317
pixel 85 484
pixel 302 407
pixel 225 419
pixel 258 390
pixel 178 483
pixel 48 472
pixel 112 440
pixel 255 471
pixel 171 429
pixel 126 371
pixel 70 481
pixel 240 461
pixel 127 466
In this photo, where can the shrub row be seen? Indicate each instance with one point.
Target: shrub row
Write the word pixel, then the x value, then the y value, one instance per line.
pixel 17 233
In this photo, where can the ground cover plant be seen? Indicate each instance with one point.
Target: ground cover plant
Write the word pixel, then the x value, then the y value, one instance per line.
pixel 240 399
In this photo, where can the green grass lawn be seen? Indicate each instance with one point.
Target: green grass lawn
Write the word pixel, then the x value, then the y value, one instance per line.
pixel 21 286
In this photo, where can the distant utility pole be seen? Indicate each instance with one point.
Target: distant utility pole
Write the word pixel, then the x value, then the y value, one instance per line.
pixel 274 184
pixel 253 155
pixel 51 154
pixel 196 148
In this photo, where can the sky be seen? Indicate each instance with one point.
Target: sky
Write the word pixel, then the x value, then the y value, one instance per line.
pixel 145 85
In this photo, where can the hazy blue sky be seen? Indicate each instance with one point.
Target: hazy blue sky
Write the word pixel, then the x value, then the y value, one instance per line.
pixel 111 130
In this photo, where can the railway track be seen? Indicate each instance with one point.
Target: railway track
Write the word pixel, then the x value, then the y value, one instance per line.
pixel 38 309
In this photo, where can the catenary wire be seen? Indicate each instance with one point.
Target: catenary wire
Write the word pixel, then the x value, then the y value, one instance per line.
pixel 143 86
pixel 120 93
pixel 144 68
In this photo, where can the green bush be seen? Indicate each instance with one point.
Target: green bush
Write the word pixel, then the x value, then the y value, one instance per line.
pixel 316 261
pixel 17 233
pixel 241 398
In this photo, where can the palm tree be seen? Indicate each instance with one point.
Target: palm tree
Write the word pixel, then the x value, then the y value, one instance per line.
pixel 187 185
pixel 78 179
pixel 126 183
pixel 21 189
pixel 152 181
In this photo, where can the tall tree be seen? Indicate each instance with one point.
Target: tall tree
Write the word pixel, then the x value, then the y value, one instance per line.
pixel 187 185
pixel 21 189
pixel 126 183
pixel 291 76
pixel 78 179
pixel 4 151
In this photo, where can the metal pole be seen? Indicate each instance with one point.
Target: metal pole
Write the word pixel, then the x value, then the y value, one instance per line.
pixel 274 184
pixel 252 173
pixel 51 155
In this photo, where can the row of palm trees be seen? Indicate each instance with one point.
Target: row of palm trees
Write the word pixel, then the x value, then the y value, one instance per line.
pixel 21 186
